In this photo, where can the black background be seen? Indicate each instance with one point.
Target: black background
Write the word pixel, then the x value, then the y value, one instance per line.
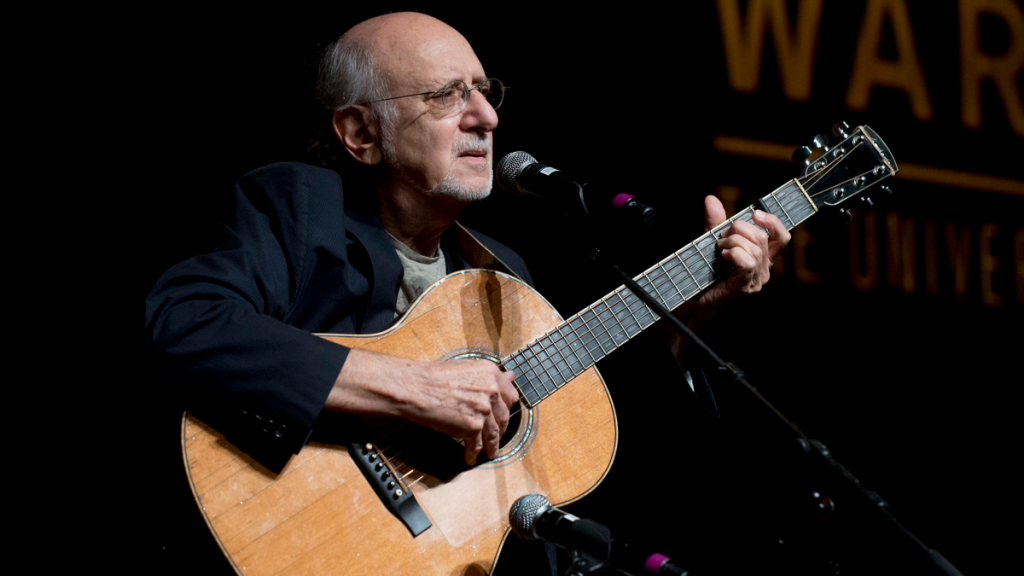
pixel 915 394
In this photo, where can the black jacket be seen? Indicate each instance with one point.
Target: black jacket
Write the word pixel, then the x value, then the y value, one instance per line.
pixel 236 323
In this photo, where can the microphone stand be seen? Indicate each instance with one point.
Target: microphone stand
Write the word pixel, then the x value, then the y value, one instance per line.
pixel 808 445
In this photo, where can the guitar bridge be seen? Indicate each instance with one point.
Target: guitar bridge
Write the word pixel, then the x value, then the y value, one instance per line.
pixel 389 487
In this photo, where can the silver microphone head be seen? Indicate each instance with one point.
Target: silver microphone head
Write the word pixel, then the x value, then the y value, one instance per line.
pixel 509 169
pixel 525 511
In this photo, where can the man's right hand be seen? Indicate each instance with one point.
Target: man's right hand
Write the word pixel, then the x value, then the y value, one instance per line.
pixel 467 399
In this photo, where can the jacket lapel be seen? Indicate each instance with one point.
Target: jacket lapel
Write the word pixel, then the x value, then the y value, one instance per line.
pixel 386 276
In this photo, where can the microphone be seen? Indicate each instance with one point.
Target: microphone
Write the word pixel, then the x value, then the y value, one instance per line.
pixel 534 518
pixel 519 174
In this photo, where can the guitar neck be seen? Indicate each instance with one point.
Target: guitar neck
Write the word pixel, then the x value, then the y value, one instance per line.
pixel 553 360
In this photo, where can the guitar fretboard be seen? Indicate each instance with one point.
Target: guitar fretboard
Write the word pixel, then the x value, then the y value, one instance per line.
pixel 551 361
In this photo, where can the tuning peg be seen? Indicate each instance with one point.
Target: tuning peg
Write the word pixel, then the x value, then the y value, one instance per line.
pixel 840 129
pixel 848 214
pixel 801 154
pixel 874 199
pixel 821 142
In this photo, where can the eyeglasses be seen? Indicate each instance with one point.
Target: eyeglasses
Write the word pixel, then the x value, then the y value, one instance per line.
pixel 455 94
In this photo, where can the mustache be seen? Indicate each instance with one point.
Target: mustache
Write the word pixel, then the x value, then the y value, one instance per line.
pixel 476 142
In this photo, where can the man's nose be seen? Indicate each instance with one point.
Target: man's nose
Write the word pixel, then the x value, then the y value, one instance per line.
pixel 479 115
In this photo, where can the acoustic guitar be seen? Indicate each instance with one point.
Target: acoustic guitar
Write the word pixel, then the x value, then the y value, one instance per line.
pixel 372 496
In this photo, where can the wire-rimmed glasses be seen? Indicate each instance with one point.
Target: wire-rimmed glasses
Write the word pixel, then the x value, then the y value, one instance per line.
pixel 455 94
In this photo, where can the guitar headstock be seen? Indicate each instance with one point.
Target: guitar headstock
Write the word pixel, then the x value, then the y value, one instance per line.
pixel 858 161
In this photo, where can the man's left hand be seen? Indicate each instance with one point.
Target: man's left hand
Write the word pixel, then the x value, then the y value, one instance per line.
pixel 748 248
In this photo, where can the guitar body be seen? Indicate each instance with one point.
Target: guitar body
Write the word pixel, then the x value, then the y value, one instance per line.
pixel 319 515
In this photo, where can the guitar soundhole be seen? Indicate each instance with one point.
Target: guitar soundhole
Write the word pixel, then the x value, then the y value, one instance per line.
pixel 522 418
pixel 514 419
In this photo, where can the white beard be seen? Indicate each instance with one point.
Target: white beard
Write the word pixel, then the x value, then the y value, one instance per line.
pixel 450 186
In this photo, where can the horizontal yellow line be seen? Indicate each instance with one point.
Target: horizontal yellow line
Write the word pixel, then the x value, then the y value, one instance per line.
pixel 908 171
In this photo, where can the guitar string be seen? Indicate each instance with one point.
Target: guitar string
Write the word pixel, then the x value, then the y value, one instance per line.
pixel 563 357
pixel 532 360
pixel 559 342
pixel 404 443
pixel 793 198
pixel 400 466
pixel 813 178
pixel 845 182
pixel 553 350
pixel 832 165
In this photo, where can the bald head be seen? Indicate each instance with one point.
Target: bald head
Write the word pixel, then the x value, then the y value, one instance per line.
pixel 406 42
pixel 397 23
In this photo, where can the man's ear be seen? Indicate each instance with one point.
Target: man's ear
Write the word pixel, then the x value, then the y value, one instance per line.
pixel 357 134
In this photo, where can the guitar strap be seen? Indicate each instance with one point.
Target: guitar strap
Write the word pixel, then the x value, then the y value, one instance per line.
pixel 479 256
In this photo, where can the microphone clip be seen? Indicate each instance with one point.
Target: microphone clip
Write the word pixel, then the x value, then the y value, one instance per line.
pixel 592 549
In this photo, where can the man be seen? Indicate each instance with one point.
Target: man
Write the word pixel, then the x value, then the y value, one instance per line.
pixel 411 115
